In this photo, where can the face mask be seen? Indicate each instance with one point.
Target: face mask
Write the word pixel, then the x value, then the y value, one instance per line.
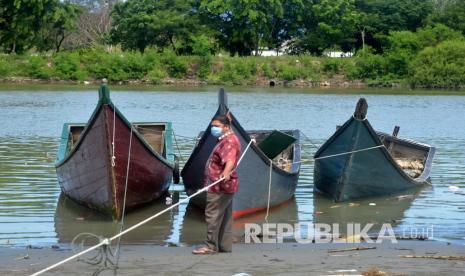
pixel 216 131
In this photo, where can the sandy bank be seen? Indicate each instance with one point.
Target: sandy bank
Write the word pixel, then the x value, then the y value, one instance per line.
pixel 254 259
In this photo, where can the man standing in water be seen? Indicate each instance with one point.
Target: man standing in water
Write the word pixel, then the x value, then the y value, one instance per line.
pixel 221 163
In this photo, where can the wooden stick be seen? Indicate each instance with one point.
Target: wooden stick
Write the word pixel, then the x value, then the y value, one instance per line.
pixel 450 258
pixel 351 249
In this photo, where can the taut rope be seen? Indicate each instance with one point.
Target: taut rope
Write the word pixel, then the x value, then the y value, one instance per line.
pixel 107 241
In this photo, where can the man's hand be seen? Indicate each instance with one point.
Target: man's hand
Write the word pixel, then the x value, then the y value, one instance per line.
pixel 226 176
pixel 228 170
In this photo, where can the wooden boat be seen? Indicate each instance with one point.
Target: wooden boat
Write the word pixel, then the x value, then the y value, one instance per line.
pixel 359 162
pixel 254 170
pixel 87 174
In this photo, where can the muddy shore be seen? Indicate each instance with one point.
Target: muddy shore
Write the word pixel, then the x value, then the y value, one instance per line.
pixel 255 259
pixel 334 82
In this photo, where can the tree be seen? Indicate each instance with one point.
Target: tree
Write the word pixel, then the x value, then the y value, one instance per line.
pixel 327 24
pixel 59 23
pixel 452 14
pixel 138 24
pixel 383 16
pixel 92 27
pixel 20 20
pixel 440 66
pixel 405 45
pixel 244 26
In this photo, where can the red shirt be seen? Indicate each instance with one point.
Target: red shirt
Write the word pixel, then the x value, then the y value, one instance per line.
pixel 227 149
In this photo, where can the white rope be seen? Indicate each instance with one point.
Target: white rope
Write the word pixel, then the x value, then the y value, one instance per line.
pixel 125 195
pixel 269 191
pixel 108 240
pixel 349 152
pixel 113 157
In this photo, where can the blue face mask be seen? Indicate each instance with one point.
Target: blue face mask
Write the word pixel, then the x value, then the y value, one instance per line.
pixel 216 131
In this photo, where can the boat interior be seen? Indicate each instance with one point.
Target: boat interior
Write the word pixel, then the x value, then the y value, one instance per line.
pixel 154 135
pixel 75 132
pixel 409 155
pixel 285 158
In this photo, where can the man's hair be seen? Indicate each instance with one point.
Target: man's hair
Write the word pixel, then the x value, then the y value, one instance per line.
pixel 222 119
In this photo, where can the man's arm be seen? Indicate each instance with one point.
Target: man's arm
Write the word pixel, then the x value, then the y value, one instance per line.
pixel 228 168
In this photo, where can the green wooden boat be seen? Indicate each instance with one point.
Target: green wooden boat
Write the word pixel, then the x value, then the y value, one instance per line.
pixel 356 161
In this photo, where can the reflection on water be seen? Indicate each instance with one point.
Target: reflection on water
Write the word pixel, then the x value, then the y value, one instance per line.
pixel 72 219
pixel 375 211
pixel 193 229
pixel 28 189
pixel 32 212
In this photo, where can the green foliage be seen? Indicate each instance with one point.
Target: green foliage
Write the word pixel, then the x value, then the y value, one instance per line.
pixel 451 14
pixel 202 46
pixel 236 70
pixel 175 66
pixel 44 24
pixel 369 66
pixel 327 23
pixel 295 69
pixel 162 23
pixel 385 16
pixel 60 21
pixel 244 26
pixel 441 66
pixel 267 71
pixel 67 66
pixel 156 75
pixel 205 64
pixel 405 45
pixel 37 67
pixel 5 67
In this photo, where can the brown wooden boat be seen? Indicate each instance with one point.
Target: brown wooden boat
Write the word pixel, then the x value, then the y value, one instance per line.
pixel 88 173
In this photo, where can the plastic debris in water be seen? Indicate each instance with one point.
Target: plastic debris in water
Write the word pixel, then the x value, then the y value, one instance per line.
pixel 454 189
pixel 372 204
pixel 169 200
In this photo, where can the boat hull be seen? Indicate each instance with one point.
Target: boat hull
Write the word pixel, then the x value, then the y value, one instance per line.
pixel 87 176
pixel 369 172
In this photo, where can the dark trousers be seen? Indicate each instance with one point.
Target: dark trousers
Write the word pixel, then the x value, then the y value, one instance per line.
pixel 218 215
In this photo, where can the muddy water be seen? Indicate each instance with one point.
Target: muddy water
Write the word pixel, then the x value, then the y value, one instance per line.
pixel 33 212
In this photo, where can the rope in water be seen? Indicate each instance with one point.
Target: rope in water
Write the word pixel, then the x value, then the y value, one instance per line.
pixel 349 152
pixel 106 242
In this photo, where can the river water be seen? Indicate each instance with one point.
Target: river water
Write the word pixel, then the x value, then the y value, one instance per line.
pixel 32 212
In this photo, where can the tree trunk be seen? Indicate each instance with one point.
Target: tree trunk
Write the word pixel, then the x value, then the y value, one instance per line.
pixel 13 48
pixel 172 45
pixel 363 39
pixel 59 42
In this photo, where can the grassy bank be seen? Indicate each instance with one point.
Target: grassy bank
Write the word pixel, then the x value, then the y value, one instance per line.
pixel 91 65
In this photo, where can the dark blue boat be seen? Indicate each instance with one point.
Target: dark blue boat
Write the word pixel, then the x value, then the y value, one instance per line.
pixel 254 170
pixel 359 162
